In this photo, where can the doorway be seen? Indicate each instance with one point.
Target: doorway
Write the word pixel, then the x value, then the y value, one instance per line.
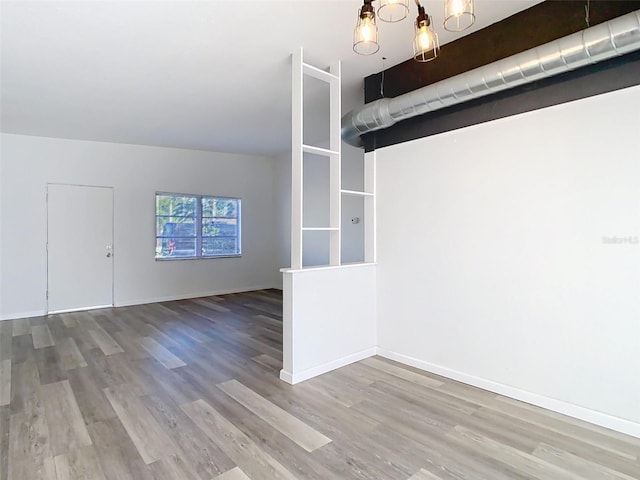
pixel 79 247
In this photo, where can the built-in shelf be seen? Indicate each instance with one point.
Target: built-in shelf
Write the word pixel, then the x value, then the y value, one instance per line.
pixel 328 267
pixel 319 229
pixel 318 73
pixel 319 151
pixel 355 193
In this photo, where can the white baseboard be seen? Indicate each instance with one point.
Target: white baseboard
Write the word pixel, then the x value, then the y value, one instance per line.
pixel 130 303
pixel 298 377
pixel 286 377
pixel 85 309
pixel 14 316
pixel 187 296
pixel 592 416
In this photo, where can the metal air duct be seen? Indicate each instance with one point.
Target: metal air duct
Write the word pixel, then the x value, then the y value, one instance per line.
pixel 601 42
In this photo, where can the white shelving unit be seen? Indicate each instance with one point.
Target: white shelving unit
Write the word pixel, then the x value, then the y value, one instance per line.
pixel 329 311
pixel 334 156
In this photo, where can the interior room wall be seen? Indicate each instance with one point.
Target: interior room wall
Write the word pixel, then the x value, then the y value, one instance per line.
pixel 282 184
pixel 136 173
pixel 508 256
pixel 352 207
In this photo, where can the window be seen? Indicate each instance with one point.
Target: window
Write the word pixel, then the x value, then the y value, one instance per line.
pixel 196 226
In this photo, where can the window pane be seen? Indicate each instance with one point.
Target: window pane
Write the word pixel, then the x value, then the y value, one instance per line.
pixel 219 227
pixel 176 205
pixel 220 246
pixel 219 207
pixel 178 247
pixel 175 227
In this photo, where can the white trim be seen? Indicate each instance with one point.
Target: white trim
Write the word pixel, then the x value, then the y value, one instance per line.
pixel 325 152
pixel 326 367
pixel 592 416
pixel 318 73
pixel 370 207
pixel 286 377
pixel 187 296
pixel 356 193
pixel 79 309
pixel 15 316
pixel 297 157
pixel 326 267
pixel 320 229
pixel 130 303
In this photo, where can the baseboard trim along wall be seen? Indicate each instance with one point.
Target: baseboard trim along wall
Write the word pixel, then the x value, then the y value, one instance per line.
pixel 130 303
pixel 326 367
pixel 598 418
pixel 14 316
pixel 187 296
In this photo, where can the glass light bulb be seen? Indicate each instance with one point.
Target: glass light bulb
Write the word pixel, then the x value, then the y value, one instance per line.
pixel 424 39
pixel 457 7
pixel 365 30
pixel 458 15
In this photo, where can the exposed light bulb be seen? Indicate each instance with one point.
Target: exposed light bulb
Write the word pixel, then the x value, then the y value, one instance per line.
pixel 458 15
pixel 365 35
pixel 365 30
pixel 424 39
pixel 457 7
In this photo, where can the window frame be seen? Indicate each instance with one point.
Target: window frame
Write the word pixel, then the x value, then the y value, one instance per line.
pixel 198 226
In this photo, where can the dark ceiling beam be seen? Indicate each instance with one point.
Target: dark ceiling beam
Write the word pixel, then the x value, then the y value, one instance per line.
pixel 610 75
pixel 535 26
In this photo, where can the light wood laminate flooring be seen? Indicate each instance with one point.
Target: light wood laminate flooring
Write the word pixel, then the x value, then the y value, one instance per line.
pixel 190 390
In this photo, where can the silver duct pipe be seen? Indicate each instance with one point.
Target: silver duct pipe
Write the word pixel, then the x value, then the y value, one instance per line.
pixel 601 42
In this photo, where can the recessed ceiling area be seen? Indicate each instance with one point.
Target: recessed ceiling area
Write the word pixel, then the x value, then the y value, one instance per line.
pixel 211 75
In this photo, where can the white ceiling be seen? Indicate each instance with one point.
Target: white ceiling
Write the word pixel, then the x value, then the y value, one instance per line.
pixel 209 75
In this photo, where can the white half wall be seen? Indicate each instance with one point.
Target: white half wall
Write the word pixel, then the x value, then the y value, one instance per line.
pixel 136 172
pixel 328 319
pixel 508 256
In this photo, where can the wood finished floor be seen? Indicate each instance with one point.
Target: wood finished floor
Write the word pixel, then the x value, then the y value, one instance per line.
pixel 190 390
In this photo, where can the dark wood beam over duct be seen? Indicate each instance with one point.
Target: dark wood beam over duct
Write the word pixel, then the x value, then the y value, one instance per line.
pixel 535 26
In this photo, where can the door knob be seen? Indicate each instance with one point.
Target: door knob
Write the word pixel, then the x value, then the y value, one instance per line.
pixel 108 254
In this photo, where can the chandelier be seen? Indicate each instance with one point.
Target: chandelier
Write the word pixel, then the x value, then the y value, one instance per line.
pixel 458 16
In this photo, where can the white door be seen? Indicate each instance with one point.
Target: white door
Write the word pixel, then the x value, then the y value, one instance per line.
pixel 79 247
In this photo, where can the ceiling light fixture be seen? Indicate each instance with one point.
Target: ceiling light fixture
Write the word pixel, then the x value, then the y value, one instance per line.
pixel 426 46
pixel 392 11
pixel 365 35
pixel 458 14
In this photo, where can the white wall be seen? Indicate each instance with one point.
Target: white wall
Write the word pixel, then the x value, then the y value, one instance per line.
pixel 136 173
pixel 283 210
pixel 329 319
pixel 352 179
pixel 491 263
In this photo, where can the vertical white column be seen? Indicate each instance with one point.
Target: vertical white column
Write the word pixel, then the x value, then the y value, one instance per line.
pixel 370 207
pixel 287 327
pixel 335 167
pixel 296 159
